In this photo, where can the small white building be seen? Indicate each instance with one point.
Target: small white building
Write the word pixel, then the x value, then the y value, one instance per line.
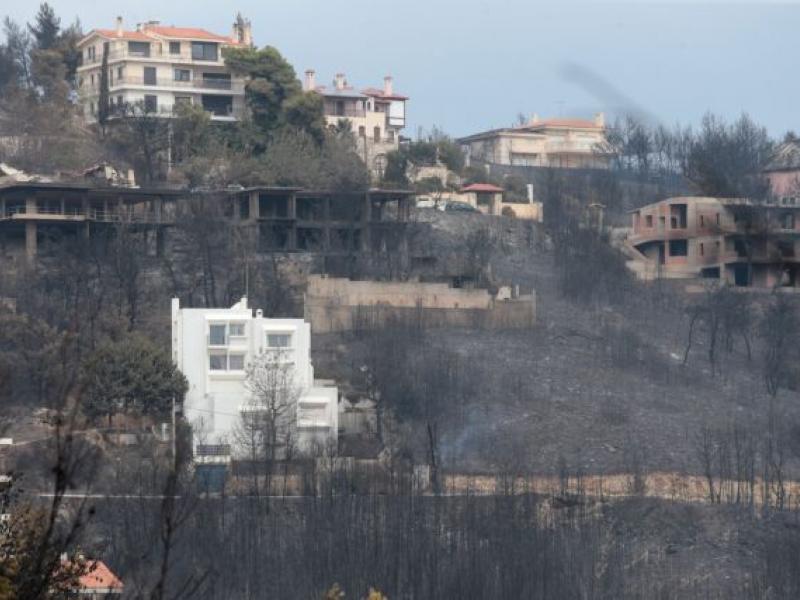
pixel 213 348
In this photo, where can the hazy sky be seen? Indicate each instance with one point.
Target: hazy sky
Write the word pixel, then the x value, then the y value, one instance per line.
pixel 473 64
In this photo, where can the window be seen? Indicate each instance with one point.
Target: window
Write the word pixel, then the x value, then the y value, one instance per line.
pixel 183 75
pixel 362 131
pixel 678 248
pixel 91 79
pixel 216 335
pixel 139 48
pixel 204 51
pixel 702 221
pixel 648 221
pixel 183 101
pixel 236 329
pixel 236 362
pixel 376 134
pixel 149 75
pixel 279 340
pixel 217 362
pixel 787 221
pixel 120 73
pixel 390 135
pixel 702 249
pixel 119 100
pixel 174 47
pixel 150 104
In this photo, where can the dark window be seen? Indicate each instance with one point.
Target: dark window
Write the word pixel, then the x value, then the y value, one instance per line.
pixel 218 81
pixel 221 106
pixel 120 73
pixel 174 47
pixel 376 134
pixel 678 248
pixel 702 249
pixel 362 132
pixel 204 51
pixel 183 75
pixel 787 221
pixel 786 249
pixel 150 104
pixel 149 75
pixel 648 221
pixel 139 48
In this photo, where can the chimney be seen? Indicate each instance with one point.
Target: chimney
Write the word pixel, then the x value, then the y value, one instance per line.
pixel 600 119
pixel 387 85
pixel 119 26
pixel 310 83
pixel 339 81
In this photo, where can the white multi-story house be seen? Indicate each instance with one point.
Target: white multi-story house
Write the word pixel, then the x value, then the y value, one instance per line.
pixel 559 143
pixel 215 349
pixel 160 67
pixel 376 116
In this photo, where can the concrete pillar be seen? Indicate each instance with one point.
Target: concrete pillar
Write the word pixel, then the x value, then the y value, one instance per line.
pixel 30 239
pixel 254 205
pixel 366 217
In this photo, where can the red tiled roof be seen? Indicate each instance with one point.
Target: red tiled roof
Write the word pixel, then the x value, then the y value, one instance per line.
pixel 189 33
pixel 126 35
pixel 156 31
pixel 99 576
pixel 482 187
pixel 377 93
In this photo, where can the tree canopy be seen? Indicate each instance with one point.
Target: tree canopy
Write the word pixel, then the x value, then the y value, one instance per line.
pixel 132 375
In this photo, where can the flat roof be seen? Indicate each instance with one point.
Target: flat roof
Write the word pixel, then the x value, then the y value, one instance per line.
pixel 82 187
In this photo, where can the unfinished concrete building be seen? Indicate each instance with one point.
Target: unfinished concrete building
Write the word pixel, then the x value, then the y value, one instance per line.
pixel 330 223
pixel 34 214
pixel 734 240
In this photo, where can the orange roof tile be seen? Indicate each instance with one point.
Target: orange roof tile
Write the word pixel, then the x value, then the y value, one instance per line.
pixel 99 577
pixel 378 93
pixel 126 35
pixel 153 32
pixel 193 33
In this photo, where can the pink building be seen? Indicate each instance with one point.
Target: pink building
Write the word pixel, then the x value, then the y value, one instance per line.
pixel 729 239
pixel 783 173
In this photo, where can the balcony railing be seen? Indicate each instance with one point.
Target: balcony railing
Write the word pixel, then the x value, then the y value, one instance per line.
pixel 358 113
pixel 154 54
pixel 90 214
pixel 198 83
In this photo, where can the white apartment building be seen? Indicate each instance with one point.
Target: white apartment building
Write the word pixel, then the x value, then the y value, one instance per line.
pixel 213 348
pixel 160 67
pixel 376 116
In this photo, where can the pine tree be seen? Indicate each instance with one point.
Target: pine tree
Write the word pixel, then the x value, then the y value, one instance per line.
pixel 103 105
pixel 45 30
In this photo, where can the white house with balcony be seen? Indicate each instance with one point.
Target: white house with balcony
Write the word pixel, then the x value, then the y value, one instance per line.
pixel 160 67
pixel 376 116
pixel 213 348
